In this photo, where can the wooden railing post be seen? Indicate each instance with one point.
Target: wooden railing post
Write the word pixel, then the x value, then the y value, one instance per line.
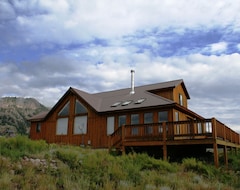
pixel 214 130
pixel 224 133
pixel 215 146
pixel 164 141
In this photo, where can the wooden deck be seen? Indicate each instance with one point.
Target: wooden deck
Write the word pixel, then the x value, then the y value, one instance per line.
pixel 209 132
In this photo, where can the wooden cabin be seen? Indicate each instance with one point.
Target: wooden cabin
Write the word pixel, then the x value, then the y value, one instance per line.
pixel 154 118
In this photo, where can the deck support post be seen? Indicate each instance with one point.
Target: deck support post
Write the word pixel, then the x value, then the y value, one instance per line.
pixel 164 141
pixel 225 156
pixel 123 137
pixel 215 152
pixel 215 146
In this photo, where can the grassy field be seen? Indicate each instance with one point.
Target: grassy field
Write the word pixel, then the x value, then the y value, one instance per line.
pixel 26 164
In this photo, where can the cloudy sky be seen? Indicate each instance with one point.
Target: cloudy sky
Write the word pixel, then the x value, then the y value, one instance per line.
pixel 46 46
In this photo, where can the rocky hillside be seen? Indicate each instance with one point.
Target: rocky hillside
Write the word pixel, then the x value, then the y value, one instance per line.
pixel 14 113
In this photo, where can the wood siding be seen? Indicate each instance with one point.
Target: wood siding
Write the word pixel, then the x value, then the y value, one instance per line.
pixel 178 90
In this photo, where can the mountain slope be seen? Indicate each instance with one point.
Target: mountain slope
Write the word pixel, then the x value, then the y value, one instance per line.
pixel 14 112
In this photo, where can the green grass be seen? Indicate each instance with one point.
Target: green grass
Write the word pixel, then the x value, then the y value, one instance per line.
pixel 84 168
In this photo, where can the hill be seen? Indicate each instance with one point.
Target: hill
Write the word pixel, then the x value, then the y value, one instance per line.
pixel 14 112
pixel 27 164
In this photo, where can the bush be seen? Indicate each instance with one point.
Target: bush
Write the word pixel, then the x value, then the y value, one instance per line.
pixel 234 161
pixel 70 158
pixel 191 164
pixel 19 146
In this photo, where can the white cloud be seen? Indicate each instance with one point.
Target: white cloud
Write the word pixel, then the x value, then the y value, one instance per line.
pixel 132 34
pixel 75 21
pixel 238 46
pixel 218 47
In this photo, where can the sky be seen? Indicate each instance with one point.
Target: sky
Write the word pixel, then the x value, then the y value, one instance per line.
pixel 46 46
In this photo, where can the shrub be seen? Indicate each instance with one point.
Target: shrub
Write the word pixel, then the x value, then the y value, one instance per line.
pixel 234 161
pixel 20 146
pixel 70 158
pixel 191 164
pixel 96 169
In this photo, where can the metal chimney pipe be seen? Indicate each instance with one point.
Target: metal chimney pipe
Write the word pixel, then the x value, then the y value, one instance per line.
pixel 132 82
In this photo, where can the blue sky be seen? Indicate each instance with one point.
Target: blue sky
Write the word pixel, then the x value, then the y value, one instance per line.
pixel 49 45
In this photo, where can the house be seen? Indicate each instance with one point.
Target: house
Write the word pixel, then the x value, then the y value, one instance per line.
pixel 153 118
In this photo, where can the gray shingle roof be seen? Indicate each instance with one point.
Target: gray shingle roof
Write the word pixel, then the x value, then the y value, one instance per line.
pixel 102 102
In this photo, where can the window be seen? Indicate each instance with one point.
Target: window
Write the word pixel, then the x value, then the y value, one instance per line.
pixel 116 104
pixel 199 128
pixel 181 99
pixel 62 126
pixel 177 126
pixel 65 110
pixel 62 121
pixel 134 121
pixel 38 128
pixel 110 125
pixel 126 102
pixel 139 101
pixel 208 127
pixel 80 125
pixel 148 118
pixel 162 117
pixel 79 108
pixel 122 120
pixel 80 119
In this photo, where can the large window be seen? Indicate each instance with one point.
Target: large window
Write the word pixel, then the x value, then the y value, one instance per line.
pixel 122 120
pixel 110 125
pixel 80 120
pixel 134 121
pixel 62 121
pixel 80 125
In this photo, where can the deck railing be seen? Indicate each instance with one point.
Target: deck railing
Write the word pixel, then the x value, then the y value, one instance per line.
pixel 178 130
